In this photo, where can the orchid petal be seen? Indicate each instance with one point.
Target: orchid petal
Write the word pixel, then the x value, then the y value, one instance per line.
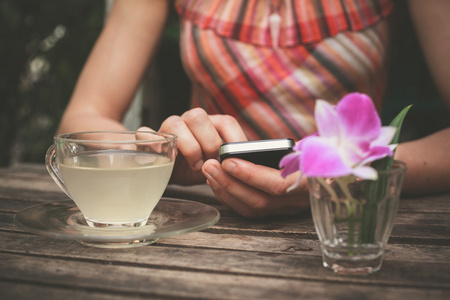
pixel 289 164
pixel 386 135
pixel 321 159
pixel 353 152
pixel 392 147
pixel 298 146
pixel 365 172
pixel 377 153
pixel 349 138
pixel 358 117
pixel 326 119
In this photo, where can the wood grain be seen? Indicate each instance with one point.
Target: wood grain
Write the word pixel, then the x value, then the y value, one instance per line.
pixel 238 258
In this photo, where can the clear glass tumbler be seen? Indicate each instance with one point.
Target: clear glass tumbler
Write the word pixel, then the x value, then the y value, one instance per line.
pixel 354 219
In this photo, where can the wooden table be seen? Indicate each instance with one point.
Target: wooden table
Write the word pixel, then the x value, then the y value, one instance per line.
pixel 274 258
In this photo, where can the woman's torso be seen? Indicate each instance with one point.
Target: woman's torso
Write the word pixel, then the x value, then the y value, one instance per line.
pixel 326 49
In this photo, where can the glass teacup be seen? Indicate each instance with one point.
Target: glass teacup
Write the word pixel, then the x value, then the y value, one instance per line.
pixel 116 178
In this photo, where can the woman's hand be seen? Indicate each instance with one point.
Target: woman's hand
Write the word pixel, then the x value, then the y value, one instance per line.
pixel 253 190
pixel 199 138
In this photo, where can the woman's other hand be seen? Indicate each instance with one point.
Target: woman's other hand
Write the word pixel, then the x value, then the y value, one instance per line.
pixel 254 190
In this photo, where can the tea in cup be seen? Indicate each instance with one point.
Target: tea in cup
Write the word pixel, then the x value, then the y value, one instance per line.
pixel 116 178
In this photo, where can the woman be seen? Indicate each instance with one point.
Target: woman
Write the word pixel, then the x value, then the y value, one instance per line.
pixel 257 67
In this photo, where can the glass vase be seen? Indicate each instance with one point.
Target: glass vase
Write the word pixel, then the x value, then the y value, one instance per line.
pixel 354 217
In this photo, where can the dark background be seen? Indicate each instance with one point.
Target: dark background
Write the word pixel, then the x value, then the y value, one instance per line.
pixel 44 44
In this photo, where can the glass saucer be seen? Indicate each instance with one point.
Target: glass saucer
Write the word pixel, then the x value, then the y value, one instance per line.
pixel 64 220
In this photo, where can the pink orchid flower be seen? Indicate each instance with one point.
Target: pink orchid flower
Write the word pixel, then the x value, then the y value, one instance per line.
pixel 349 137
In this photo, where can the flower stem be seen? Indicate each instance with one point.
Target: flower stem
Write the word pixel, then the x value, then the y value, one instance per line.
pixel 352 206
pixel 333 196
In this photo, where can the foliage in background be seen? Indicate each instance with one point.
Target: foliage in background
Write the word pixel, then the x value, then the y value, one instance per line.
pixel 43 46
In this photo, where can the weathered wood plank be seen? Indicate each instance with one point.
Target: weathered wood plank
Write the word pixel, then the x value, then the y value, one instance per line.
pixel 12 206
pixel 25 198
pixel 402 233
pixel 182 283
pixel 276 258
pixel 427 233
pixel 258 262
pixel 6 222
pixel 417 230
pixel 412 253
pixel 437 203
pixel 291 245
pixel 419 218
pixel 41 184
pixel 278 243
pixel 22 168
pixel 23 290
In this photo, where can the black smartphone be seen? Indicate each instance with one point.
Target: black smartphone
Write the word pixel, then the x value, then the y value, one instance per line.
pixel 262 152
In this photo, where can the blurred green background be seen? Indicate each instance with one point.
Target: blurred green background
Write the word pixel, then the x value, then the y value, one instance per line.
pixel 44 44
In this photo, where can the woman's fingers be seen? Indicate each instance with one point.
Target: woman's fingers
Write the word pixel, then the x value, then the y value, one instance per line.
pixel 228 128
pixel 204 131
pixel 252 200
pixel 260 177
pixel 188 145
pixel 200 135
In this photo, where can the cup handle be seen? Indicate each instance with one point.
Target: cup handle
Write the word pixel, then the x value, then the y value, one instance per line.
pixel 53 170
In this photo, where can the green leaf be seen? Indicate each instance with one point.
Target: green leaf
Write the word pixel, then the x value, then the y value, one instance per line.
pixel 386 163
pixel 375 190
pixel 398 122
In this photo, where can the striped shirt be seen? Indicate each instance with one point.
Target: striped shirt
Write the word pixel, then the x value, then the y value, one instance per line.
pixel 326 49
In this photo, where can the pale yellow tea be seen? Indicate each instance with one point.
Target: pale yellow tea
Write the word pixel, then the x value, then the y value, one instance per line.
pixel 116 187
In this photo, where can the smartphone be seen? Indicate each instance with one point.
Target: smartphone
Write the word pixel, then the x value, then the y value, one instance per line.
pixel 262 152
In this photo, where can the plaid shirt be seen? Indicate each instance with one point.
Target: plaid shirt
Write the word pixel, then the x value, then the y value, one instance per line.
pixel 303 21
pixel 327 48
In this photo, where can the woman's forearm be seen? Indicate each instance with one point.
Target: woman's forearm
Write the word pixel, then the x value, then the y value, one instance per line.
pixel 87 122
pixel 428 163
pixel 116 65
